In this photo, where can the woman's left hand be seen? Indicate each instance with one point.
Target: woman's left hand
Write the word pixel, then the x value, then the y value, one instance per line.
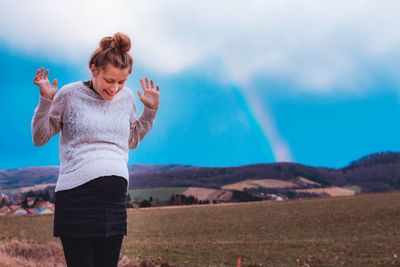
pixel 150 97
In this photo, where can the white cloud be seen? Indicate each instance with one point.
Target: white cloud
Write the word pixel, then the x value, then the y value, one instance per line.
pixel 318 45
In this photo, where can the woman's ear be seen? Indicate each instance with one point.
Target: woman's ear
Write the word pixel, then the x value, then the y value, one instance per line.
pixel 93 69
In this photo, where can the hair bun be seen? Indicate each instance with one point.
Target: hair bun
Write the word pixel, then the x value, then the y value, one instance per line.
pixel 120 42
pixel 105 43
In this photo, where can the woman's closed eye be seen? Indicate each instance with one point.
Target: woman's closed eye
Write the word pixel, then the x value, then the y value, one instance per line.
pixel 112 81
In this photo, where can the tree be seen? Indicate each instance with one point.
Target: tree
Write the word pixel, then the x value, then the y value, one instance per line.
pixel 46 195
pixel 3 202
pixel 144 204
pixel 24 203
pixel 172 199
pixel 191 200
pixel 30 194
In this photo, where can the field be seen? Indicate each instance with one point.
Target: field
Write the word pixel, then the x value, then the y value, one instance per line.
pixel 331 191
pixel 271 183
pixel 267 183
pixel 158 194
pixel 361 230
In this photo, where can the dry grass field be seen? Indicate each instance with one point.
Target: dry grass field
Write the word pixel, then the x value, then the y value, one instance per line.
pixel 361 230
pixel 331 191
pixel 267 183
pixel 208 194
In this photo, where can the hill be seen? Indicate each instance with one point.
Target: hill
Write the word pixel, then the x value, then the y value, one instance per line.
pixel 373 173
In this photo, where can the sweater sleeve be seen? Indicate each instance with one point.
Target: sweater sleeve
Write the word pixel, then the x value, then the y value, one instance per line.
pixel 47 119
pixel 141 126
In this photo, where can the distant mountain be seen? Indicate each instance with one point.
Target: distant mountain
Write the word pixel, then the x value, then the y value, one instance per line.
pixel 14 178
pixel 372 173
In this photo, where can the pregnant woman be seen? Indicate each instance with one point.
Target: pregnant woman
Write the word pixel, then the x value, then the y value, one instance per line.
pixel 98 124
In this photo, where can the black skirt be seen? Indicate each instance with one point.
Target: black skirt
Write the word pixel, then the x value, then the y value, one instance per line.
pixel 94 209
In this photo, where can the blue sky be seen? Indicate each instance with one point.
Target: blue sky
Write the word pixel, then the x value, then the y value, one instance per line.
pixel 314 82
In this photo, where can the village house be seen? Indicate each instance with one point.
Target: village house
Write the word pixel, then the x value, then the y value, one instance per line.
pixel 17 210
pixel 42 210
pixel 37 207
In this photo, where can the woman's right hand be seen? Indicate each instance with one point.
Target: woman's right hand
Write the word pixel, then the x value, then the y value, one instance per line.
pixel 46 90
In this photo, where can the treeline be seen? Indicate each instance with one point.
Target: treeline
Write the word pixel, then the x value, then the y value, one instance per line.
pixel 180 199
pixel 175 199
pixel 284 193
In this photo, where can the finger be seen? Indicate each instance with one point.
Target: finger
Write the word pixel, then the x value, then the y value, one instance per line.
pixel 147 82
pixel 158 88
pixel 142 83
pixel 36 78
pixel 46 74
pixel 139 93
pixel 55 83
pixel 40 72
pixel 151 84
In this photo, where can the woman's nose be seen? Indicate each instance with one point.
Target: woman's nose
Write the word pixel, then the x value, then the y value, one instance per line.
pixel 114 87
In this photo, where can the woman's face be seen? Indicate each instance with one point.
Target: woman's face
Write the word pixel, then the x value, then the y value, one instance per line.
pixel 109 81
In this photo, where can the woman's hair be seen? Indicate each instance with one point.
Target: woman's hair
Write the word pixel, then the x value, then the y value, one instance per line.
pixel 113 50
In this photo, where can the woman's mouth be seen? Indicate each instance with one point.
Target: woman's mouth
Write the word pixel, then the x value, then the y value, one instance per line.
pixel 108 93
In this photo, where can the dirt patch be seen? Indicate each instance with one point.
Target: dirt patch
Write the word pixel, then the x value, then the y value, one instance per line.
pixel 305 181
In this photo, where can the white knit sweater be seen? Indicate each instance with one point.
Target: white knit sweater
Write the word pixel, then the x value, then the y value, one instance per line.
pixel 95 133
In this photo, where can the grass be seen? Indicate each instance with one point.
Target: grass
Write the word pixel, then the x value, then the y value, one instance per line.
pixel 18 253
pixel 363 230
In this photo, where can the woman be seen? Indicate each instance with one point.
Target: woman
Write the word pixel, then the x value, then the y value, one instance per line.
pixel 98 124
